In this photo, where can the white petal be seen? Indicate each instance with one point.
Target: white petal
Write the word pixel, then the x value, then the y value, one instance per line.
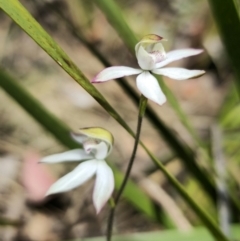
pixel 178 54
pixel 72 155
pixel 149 87
pixel 179 73
pixel 145 60
pixel 114 73
pixel 101 151
pixel 104 185
pixel 77 177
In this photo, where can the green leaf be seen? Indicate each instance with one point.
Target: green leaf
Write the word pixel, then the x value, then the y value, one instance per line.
pixel 228 23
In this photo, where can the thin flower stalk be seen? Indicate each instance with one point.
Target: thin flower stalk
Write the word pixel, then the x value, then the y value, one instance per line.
pixel 142 108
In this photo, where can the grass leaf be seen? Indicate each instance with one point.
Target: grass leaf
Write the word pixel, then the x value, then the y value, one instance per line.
pixel 228 23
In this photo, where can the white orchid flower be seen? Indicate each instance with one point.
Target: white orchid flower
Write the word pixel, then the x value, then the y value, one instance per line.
pixel 97 144
pixel 151 58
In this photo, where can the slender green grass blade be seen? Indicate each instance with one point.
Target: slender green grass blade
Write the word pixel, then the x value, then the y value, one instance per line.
pixel 228 23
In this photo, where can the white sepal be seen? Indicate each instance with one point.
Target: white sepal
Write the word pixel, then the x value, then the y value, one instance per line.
pixel 72 155
pixel 179 73
pixel 178 54
pixel 82 173
pixel 114 73
pixel 104 185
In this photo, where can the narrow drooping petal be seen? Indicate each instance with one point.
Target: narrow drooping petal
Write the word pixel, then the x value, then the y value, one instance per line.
pixel 149 87
pixel 72 155
pixel 75 178
pixel 104 185
pixel 179 73
pixel 145 60
pixel 178 54
pixel 114 73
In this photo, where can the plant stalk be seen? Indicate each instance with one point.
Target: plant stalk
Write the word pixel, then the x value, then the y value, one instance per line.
pixel 142 108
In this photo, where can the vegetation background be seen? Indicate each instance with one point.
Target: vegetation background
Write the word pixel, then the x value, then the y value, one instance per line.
pixel 195 135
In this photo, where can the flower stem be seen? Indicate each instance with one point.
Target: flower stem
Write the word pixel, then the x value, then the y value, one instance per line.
pixel 142 108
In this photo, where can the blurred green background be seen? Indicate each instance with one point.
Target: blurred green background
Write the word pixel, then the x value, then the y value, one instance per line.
pixel 195 135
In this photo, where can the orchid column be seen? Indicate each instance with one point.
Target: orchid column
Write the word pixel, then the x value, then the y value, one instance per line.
pixel 151 57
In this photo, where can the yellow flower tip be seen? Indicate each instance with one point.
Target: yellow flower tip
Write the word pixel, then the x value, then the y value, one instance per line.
pixel 152 38
pixel 97 133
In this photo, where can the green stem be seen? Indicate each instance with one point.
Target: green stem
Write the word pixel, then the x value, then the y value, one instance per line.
pixel 142 108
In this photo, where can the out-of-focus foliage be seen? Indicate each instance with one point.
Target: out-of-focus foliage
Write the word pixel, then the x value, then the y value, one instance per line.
pixel 187 135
